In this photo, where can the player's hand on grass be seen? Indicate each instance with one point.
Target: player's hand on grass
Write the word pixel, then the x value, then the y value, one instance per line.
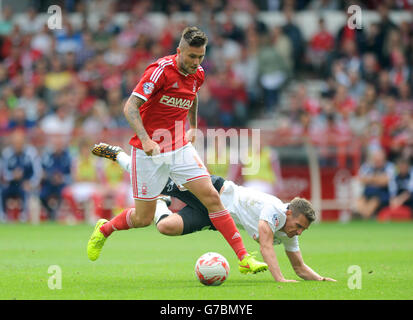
pixel 328 279
pixel 287 280
pixel 151 148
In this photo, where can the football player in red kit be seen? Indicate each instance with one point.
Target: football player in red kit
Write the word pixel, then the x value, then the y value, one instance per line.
pixel 157 110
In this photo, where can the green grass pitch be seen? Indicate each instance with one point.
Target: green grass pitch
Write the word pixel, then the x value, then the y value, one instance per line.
pixel 143 264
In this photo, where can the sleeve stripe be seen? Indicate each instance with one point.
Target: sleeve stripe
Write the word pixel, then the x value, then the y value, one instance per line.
pixel 140 96
pixel 158 71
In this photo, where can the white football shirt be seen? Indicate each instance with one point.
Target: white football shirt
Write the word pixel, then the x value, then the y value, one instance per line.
pixel 248 206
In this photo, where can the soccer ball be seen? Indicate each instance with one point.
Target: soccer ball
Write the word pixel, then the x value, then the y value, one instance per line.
pixel 212 269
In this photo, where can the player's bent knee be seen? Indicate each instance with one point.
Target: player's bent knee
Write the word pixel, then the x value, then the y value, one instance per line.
pixel 139 221
pixel 145 223
pixel 167 228
pixel 143 214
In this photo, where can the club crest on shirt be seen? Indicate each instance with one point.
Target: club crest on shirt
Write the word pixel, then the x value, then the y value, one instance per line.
pixel 144 189
pixel 275 220
pixel 148 87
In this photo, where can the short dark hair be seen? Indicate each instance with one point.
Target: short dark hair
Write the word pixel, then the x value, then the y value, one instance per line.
pixel 302 206
pixel 194 37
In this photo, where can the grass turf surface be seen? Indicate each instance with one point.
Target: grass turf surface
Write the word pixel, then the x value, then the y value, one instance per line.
pixel 143 264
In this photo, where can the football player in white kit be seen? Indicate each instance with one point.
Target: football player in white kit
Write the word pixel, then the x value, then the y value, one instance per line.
pixel 266 218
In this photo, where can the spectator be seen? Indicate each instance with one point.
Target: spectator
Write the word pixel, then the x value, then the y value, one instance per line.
pixel 88 51
pixel 353 35
pixel 385 86
pixel 351 55
pixel 143 25
pixel 115 55
pixel 3 78
pixel 342 100
pixel 68 40
pixel 309 104
pixel 385 26
pixel 369 68
pixel 400 71
pixel 223 49
pixel 373 40
pixel 21 172
pixel 208 107
pixel 97 120
pixel 100 7
pixel 324 5
pixel 339 73
pixel 231 97
pixel 296 38
pixel 391 120
pixel 375 176
pixel 29 102
pixel 43 41
pixel 19 120
pixel 102 35
pixel 359 119
pixel 320 45
pixel 401 186
pixel 283 46
pixel 246 70
pixel 29 21
pixel 402 142
pixel 13 62
pixel 127 37
pixel 6 22
pixel 357 86
pixel 269 5
pixel 57 78
pixel 56 163
pixel 4 117
pixel 229 30
pixel 273 73
pixel 61 122
pixel 404 101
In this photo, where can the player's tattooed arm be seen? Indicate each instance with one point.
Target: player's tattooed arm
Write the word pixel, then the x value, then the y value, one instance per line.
pixel 131 111
pixel 192 113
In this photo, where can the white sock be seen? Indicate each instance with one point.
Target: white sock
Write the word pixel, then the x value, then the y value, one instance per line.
pixel 124 161
pixel 161 210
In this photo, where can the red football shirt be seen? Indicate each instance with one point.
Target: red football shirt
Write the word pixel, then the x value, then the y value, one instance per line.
pixel 168 94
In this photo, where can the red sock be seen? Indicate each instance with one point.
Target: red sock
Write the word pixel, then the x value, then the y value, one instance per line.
pixel 120 222
pixel 224 223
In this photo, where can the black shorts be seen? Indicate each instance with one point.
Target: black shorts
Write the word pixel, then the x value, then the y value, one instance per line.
pixel 194 214
pixel 195 220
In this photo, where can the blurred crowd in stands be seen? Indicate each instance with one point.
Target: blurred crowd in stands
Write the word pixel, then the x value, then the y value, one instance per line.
pixel 57 83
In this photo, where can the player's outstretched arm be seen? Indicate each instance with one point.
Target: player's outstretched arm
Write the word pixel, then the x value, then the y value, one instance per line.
pixel 302 270
pixel 131 111
pixel 266 237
